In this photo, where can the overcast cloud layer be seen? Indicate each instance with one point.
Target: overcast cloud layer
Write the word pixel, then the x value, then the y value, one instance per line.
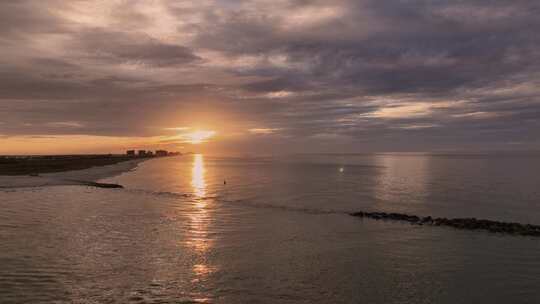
pixel 326 76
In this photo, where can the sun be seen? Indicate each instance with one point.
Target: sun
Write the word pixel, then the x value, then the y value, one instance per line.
pixel 199 136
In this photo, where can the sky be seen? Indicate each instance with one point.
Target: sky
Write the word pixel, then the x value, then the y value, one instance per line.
pixel 269 76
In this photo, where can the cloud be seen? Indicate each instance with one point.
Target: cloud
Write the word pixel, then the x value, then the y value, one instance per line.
pixel 177 128
pixel 478 115
pixel 192 137
pixel 379 75
pixel 263 131
pixel 279 94
pixel 417 126
pixel 67 124
pixel 131 48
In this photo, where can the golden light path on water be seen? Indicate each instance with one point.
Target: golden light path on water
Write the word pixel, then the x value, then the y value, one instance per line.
pixel 197 177
pixel 200 218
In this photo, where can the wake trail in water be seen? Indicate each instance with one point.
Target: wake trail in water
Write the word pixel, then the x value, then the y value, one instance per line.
pixel 509 228
pixel 240 202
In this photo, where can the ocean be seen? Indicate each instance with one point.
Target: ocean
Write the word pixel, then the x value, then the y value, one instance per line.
pixel 200 229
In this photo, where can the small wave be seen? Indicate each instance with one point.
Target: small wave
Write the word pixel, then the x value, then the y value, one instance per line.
pixel 159 193
pixel 246 203
pixel 286 208
pixel 171 194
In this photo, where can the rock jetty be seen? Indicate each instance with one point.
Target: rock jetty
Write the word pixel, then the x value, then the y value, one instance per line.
pixel 459 223
pixel 99 185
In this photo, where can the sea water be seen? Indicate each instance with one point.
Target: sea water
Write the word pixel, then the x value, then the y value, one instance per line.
pixel 203 229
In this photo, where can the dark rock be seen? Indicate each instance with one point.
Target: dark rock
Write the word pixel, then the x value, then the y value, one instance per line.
pixel 103 185
pixel 458 223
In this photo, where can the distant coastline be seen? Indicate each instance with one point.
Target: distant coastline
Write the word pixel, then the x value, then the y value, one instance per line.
pixel 33 165
pixel 45 171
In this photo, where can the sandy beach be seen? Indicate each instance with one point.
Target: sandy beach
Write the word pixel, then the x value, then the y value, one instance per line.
pixel 74 177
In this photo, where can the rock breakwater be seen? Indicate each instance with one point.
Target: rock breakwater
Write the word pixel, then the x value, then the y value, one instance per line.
pixel 458 223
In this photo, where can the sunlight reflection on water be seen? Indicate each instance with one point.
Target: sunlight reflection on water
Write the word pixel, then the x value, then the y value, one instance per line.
pixel 197 177
pixel 200 219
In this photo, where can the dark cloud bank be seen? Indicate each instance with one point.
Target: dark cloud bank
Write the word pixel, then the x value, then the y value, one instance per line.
pixel 345 76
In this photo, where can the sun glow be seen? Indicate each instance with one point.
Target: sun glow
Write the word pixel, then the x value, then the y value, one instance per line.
pixel 199 136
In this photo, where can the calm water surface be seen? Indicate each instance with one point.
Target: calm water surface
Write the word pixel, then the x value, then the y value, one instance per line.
pixel 277 232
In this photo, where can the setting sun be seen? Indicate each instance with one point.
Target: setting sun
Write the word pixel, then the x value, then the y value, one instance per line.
pixel 199 136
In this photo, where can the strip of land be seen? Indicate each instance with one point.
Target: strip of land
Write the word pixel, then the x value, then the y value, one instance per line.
pixel 31 165
pixel 63 170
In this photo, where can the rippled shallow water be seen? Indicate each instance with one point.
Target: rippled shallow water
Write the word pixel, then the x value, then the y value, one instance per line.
pixel 277 232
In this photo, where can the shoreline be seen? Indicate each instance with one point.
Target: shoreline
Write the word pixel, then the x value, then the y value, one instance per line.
pixel 84 177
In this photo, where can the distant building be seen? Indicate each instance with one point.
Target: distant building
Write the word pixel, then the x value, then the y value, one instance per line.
pixel 162 153
pixel 142 152
pixel 130 152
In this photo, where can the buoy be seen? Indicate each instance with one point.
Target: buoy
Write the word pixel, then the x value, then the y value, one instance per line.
pixel 224 182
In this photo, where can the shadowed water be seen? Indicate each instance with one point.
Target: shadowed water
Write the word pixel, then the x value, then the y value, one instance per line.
pixel 277 232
